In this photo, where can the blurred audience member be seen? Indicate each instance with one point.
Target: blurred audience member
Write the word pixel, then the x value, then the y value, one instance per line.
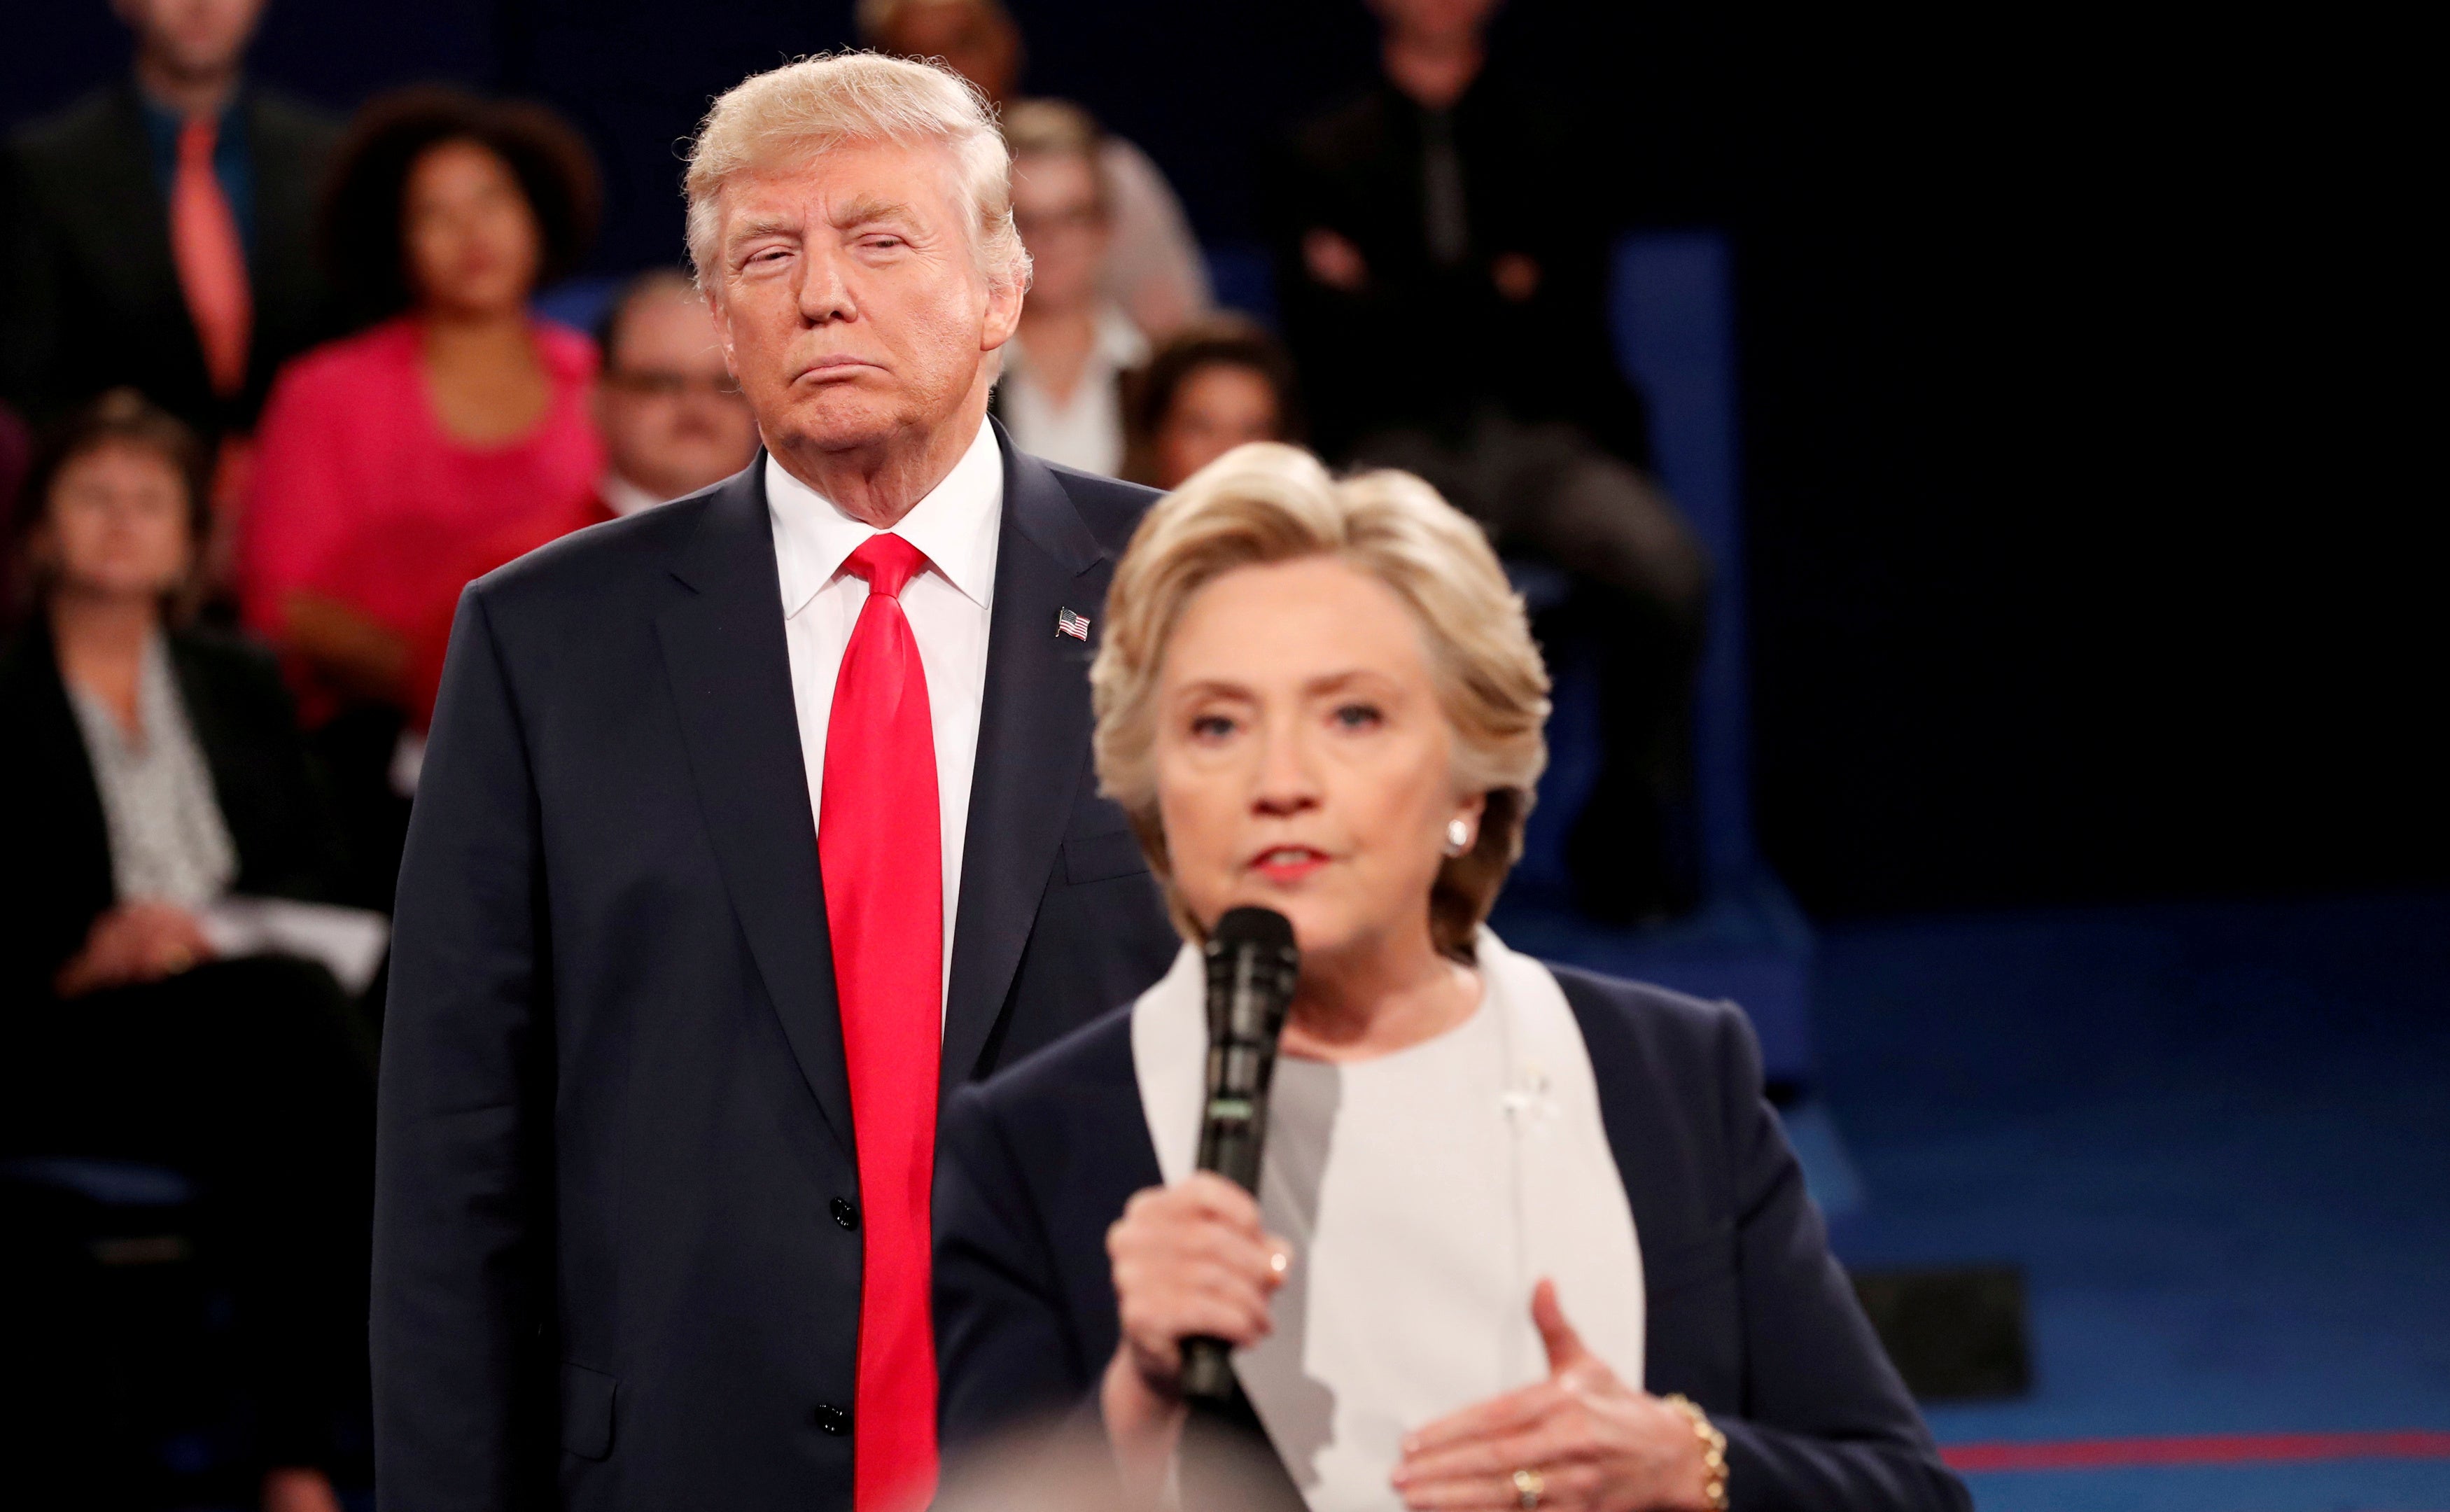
pixel 159 233
pixel 396 465
pixel 1212 385
pixel 672 418
pixel 149 771
pixel 1061 391
pixel 1442 271
pixel 1154 271
pixel 17 455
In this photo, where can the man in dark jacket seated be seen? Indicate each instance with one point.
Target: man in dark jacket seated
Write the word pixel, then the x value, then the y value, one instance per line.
pixel 1441 273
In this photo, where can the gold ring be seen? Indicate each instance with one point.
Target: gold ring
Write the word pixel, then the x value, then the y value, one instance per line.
pixel 1529 1484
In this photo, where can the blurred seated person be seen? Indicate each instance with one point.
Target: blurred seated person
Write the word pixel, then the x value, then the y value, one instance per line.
pixel 1154 270
pixel 16 455
pixel 1526 1235
pixel 1442 268
pixel 1212 385
pixel 151 772
pixel 1061 395
pixel 672 418
pixel 160 232
pixel 454 436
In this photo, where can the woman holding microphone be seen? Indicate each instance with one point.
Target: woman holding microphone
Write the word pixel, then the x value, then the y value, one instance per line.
pixel 1525 1237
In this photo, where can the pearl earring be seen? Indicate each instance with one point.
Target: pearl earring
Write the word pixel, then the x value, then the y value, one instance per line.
pixel 1458 837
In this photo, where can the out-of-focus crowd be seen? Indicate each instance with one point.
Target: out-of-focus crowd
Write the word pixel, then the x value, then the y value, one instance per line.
pixel 272 392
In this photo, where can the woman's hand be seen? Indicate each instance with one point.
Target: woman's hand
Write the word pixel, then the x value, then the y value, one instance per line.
pixel 1589 1442
pixel 1189 1261
pixel 357 654
pixel 134 942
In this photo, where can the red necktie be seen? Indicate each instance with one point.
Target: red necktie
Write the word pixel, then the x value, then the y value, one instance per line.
pixel 211 260
pixel 884 870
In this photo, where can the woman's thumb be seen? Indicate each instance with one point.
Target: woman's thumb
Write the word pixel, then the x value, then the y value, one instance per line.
pixel 1563 1345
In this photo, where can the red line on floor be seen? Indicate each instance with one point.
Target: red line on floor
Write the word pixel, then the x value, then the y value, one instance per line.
pixel 2207 1449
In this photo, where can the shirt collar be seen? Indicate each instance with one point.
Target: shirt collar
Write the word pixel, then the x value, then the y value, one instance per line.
pixel 623 498
pixel 1119 341
pixel 954 526
pixel 1116 345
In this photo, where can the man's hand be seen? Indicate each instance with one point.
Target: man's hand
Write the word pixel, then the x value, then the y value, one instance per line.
pixel 359 655
pixel 299 1490
pixel 1581 1440
pixel 1331 259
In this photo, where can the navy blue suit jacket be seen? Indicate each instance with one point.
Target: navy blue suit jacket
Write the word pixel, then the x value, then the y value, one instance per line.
pixel 1747 1314
pixel 617 1258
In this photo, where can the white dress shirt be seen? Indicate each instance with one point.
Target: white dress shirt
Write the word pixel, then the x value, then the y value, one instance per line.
pixel 168 840
pixel 623 498
pixel 954 528
pixel 1086 430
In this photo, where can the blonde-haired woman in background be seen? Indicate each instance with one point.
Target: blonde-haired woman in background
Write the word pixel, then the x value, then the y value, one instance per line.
pixel 1061 394
pixel 1526 1236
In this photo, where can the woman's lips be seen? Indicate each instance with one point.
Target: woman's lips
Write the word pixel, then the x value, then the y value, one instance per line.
pixel 1287 863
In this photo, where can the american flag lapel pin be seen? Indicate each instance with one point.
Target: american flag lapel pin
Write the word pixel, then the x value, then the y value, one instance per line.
pixel 1068 623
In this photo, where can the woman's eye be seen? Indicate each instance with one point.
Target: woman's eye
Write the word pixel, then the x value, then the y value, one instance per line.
pixel 1358 716
pixel 1211 726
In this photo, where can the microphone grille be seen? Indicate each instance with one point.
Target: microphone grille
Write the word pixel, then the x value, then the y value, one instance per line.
pixel 1242 928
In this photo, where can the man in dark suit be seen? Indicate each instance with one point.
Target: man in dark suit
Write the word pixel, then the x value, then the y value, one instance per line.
pixel 750 826
pixel 159 234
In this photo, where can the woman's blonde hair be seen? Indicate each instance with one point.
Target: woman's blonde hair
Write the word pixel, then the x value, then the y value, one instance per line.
pixel 787 115
pixel 1264 503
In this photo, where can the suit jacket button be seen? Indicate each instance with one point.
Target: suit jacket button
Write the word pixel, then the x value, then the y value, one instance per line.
pixel 833 1420
pixel 845 1214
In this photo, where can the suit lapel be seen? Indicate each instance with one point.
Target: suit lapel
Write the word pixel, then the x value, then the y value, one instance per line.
pixel 731 674
pixel 1033 745
pixel 128 200
pixel 42 726
pixel 289 288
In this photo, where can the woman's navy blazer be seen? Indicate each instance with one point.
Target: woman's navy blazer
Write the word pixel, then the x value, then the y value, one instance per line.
pixel 1748 1314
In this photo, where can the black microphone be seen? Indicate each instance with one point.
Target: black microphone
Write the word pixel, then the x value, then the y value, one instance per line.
pixel 1251 967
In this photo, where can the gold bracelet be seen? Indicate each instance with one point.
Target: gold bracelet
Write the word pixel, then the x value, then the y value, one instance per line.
pixel 1713 1451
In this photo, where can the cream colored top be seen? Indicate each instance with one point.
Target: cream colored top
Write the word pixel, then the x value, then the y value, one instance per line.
pixel 1424 1195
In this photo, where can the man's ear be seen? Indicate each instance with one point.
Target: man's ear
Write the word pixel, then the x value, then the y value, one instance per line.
pixel 1004 297
pixel 721 315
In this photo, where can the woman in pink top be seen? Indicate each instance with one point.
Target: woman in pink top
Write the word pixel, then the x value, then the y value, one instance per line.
pixel 397 464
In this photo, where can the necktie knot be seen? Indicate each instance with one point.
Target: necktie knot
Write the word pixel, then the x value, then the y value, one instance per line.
pixel 197 138
pixel 887 562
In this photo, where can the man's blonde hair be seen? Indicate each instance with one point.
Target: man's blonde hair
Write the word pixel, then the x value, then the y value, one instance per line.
pixel 1264 503
pixel 787 115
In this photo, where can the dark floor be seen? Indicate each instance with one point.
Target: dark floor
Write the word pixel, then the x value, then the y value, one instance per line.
pixel 2217 1138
